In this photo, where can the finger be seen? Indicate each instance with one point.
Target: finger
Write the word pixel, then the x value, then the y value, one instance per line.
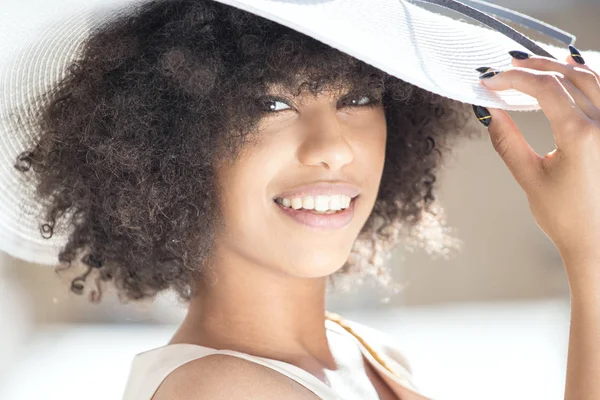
pixel 586 80
pixel 559 106
pixel 576 56
pixel 581 100
pixel 508 141
pixel 583 67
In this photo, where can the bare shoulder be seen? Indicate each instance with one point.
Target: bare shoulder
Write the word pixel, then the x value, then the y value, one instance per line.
pixel 221 376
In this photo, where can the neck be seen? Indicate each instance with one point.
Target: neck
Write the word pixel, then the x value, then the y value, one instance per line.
pixel 259 311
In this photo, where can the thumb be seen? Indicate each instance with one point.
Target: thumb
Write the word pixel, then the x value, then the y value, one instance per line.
pixel 508 141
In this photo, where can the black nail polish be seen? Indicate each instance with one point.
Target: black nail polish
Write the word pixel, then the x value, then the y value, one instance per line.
pixel 519 55
pixel 489 74
pixel 483 115
pixel 483 69
pixel 576 55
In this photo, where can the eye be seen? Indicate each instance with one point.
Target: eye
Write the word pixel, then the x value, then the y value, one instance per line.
pixel 274 104
pixel 359 101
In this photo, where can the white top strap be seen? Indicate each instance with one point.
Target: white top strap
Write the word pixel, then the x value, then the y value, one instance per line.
pixel 150 368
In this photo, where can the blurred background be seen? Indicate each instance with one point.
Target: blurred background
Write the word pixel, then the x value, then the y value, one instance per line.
pixel 490 323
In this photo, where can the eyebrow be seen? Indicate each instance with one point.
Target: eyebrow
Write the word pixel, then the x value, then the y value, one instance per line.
pixel 276 91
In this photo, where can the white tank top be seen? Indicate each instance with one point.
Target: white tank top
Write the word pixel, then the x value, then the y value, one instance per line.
pixel 150 368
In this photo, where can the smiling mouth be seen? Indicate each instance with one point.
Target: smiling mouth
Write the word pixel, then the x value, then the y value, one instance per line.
pixel 321 220
pixel 280 201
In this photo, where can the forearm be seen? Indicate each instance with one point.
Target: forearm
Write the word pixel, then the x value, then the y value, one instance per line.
pixel 583 365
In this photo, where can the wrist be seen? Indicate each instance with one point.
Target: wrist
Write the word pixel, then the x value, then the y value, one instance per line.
pixel 583 273
pixel 583 284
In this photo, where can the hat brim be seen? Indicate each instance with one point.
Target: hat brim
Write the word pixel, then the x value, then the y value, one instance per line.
pixel 430 50
pixel 427 49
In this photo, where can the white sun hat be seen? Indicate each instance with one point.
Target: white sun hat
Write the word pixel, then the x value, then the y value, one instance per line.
pixel 437 52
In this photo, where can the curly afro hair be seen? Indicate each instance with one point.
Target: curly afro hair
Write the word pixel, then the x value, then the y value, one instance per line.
pixel 129 138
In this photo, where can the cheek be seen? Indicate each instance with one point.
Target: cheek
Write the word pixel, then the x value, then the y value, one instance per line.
pixel 371 123
pixel 369 142
pixel 245 189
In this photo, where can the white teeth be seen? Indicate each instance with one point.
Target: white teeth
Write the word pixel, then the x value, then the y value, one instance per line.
pixel 317 203
pixel 346 201
pixel 322 203
pixel 308 203
pixel 335 203
pixel 296 203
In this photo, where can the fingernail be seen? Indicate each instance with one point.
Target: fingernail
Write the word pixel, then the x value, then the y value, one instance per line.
pixel 483 115
pixel 576 55
pixel 519 55
pixel 489 74
pixel 483 69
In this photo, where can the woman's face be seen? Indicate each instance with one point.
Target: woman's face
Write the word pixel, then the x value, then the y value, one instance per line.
pixel 304 140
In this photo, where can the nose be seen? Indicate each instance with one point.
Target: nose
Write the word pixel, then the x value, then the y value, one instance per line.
pixel 325 142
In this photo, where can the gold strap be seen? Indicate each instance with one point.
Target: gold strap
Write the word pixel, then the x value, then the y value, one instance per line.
pixel 380 359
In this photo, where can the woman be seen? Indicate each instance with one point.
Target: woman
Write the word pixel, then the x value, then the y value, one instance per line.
pixel 199 147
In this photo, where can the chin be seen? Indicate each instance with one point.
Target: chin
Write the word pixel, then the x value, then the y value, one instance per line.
pixel 318 267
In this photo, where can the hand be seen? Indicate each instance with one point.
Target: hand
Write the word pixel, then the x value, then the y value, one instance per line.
pixel 562 187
